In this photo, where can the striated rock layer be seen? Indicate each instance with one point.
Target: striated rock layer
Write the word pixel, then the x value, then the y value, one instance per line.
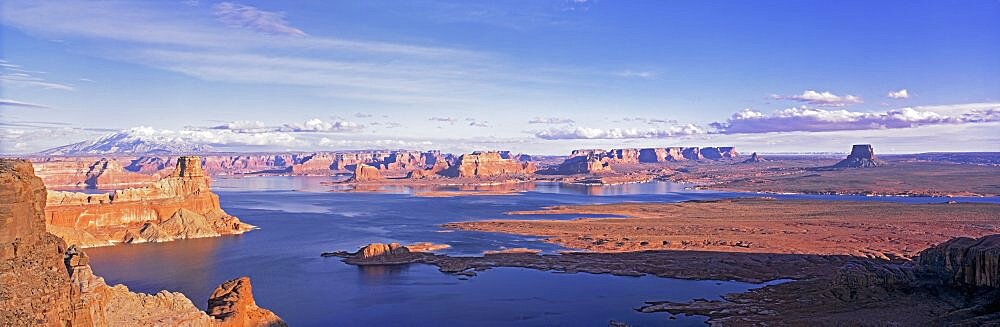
pixel 90 172
pixel 46 283
pixel 178 206
pixel 596 161
pixel 365 173
pixel 485 164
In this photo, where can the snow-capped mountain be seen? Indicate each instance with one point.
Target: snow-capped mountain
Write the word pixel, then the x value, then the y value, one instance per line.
pixel 132 141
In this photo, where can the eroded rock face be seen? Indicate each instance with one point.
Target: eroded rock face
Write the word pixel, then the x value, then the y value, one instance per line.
pixel 46 283
pixel 233 305
pixel 89 172
pixel 176 207
pixel 488 164
pixel 589 164
pixel 647 155
pixel 966 261
pixel 862 156
pixel 365 173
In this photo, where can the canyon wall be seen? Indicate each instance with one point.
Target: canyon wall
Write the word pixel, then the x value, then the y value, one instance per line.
pixel 178 206
pixel 46 283
pixel 90 172
pixel 487 164
pixel 121 171
pixel 595 161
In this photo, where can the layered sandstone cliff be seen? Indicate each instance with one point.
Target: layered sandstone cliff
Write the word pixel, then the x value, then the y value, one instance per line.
pixel 46 283
pixel 176 207
pixel 487 164
pixel 597 161
pixel 366 173
pixel 90 172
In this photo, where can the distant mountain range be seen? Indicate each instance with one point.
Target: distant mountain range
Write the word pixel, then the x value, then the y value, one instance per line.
pixel 126 142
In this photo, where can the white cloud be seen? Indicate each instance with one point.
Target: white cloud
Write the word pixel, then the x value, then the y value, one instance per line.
pixel 242 125
pixel 821 98
pixel 636 74
pixel 815 120
pixel 449 120
pixel 215 137
pixel 319 125
pixel 16 75
pixel 15 103
pixel 238 15
pixel 617 133
pixel 901 94
pixel 478 123
pixel 550 120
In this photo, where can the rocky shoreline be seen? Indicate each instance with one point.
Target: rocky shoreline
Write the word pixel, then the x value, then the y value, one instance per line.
pixel 845 265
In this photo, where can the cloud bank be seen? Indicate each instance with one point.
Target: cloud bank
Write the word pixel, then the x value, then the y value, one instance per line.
pixel 818 120
pixel 825 98
pixel 616 133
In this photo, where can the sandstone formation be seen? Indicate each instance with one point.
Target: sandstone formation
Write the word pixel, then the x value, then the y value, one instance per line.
pixel 596 161
pixel 46 283
pixel 382 254
pixel 89 172
pixel 233 305
pixel 862 156
pixel 754 158
pixel 178 206
pixel 966 261
pixel 366 173
pixel 486 164
pixel 585 164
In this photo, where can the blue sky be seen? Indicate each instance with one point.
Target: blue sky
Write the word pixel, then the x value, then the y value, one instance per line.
pixel 531 76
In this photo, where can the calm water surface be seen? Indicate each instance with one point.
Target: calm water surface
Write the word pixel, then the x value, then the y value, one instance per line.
pixel 300 218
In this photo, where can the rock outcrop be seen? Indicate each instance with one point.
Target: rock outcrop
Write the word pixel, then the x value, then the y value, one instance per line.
pixel 233 305
pixel 588 164
pixel 965 261
pixel 178 206
pixel 862 156
pixel 46 283
pixel 487 164
pixel 380 254
pixel 366 173
pixel 754 158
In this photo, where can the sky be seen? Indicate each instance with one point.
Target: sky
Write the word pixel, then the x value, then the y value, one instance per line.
pixel 539 76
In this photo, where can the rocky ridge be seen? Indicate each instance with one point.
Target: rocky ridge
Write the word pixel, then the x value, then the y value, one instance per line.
pixel 597 161
pixel 47 283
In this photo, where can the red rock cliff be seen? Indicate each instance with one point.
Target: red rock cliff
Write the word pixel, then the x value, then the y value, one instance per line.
pixel 44 283
pixel 488 164
pixel 176 207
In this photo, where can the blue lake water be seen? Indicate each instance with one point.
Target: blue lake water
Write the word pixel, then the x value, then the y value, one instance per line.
pixel 300 218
